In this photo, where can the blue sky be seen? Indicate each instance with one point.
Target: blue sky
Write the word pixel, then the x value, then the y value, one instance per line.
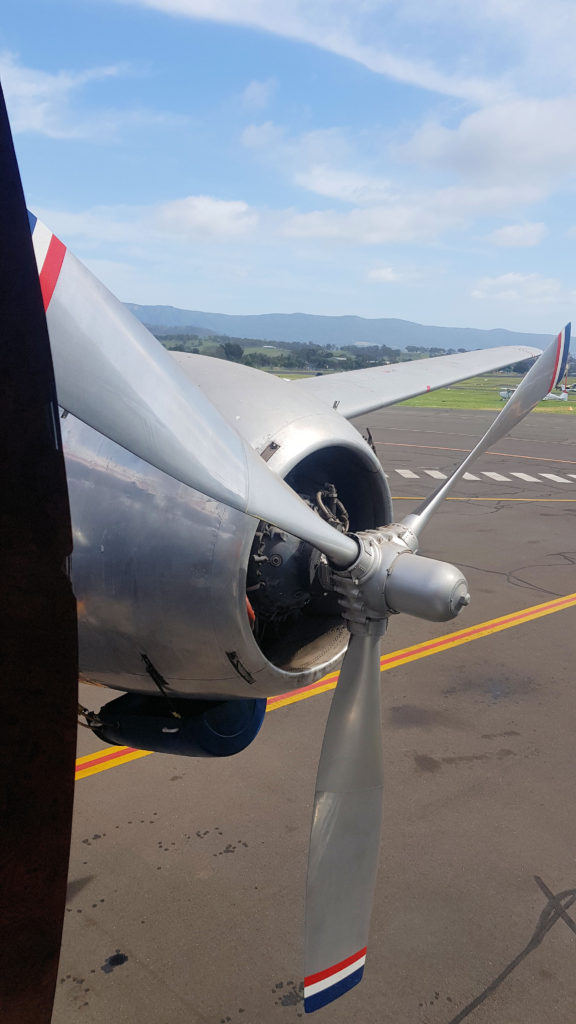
pixel 406 158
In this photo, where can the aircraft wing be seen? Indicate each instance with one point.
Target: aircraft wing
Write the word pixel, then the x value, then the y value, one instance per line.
pixel 355 392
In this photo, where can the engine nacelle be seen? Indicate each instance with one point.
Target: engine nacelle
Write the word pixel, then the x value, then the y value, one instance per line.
pixel 162 573
pixel 190 728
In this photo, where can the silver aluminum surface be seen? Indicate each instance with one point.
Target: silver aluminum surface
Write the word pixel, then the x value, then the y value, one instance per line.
pixel 159 569
pixel 115 376
pixel 533 388
pixel 345 835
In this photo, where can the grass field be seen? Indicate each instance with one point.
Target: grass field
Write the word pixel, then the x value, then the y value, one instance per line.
pixel 475 393
pixel 482 393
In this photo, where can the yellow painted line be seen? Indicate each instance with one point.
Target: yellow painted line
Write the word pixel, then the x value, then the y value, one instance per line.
pixel 110 757
pixel 91 764
pixel 429 647
pixel 325 684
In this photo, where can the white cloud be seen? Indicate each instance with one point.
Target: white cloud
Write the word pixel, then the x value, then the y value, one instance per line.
pixel 42 103
pixel 134 227
pixel 373 225
pixel 362 32
pixel 258 94
pixel 522 288
pixel 297 152
pixel 384 275
pixel 479 200
pixel 520 235
pixel 109 224
pixel 39 101
pixel 350 186
pixel 415 217
pixel 481 53
pixel 204 216
pixel 264 137
pixel 411 217
pixel 543 34
pixel 330 163
pixel 528 141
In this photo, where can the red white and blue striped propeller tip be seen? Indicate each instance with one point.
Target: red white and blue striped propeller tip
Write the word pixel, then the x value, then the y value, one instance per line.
pixel 562 353
pixel 325 986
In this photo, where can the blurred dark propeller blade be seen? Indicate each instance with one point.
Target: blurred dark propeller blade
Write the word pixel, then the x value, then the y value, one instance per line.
pixel 114 375
pixel 38 659
pixel 541 378
pixel 345 838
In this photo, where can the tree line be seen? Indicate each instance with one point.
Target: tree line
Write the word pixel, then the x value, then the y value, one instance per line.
pixel 307 357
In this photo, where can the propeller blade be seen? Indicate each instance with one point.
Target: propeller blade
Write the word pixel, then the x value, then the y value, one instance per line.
pixel 541 378
pixel 116 377
pixel 345 837
pixel 38 653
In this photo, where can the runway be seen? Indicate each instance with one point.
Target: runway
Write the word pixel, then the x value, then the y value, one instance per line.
pixel 187 875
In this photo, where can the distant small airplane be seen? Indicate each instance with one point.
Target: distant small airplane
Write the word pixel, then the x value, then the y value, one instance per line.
pixel 506 393
pixel 562 397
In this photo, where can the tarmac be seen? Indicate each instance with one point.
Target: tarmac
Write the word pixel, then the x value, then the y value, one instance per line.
pixel 187 875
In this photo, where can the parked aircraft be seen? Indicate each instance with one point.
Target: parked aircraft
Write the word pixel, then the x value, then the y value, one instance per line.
pixel 562 397
pixel 234 539
pixel 506 393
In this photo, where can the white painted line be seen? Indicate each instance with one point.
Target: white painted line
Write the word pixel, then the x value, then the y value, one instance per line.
pixel 470 476
pixel 573 475
pixel 497 476
pixel 407 474
pixel 555 478
pixel 435 474
pixel 526 476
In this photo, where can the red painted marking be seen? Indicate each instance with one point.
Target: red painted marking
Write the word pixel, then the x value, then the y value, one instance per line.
pixel 110 755
pixel 428 645
pixel 464 634
pixel 304 689
pixel 552 382
pixel 51 269
pixel 313 978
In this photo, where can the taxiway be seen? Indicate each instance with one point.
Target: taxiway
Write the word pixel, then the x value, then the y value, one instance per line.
pixel 187 876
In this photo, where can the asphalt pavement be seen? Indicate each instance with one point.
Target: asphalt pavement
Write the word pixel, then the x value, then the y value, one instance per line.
pixel 187 875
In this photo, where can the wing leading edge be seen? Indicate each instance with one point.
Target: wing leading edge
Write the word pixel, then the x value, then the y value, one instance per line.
pixel 356 392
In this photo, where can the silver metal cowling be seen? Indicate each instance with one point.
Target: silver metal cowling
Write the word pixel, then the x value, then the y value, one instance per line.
pixel 160 569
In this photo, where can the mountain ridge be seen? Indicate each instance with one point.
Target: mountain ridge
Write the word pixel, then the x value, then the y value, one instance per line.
pixel 324 330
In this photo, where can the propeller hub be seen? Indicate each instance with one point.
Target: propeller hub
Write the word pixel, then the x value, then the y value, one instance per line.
pixel 388 578
pixel 426 588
